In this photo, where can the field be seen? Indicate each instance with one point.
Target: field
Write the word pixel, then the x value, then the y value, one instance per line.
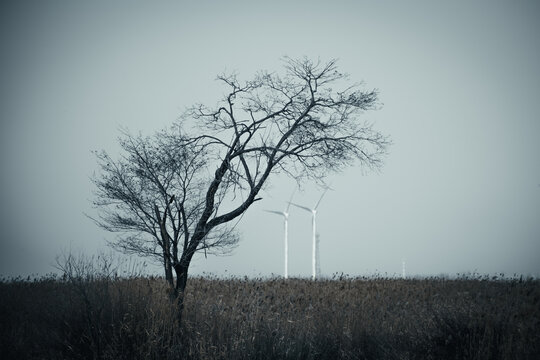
pixel 108 317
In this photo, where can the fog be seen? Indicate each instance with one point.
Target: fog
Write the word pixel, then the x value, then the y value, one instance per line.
pixel 460 188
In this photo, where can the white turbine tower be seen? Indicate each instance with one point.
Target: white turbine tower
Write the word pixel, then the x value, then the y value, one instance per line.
pixel 314 252
pixel 318 257
pixel 285 215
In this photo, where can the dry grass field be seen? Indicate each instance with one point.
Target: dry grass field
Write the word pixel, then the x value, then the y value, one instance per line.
pixel 107 317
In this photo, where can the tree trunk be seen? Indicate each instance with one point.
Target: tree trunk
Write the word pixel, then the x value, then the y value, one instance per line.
pixel 169 278
pixel 165 245
pixel 168 271
pixel 181 270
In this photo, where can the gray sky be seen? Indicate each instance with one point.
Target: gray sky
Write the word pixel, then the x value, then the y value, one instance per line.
pixel 460 189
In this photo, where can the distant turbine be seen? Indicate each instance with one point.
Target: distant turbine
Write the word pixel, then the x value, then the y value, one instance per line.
pixel 314 251
pixel 285 215
pixel 403 268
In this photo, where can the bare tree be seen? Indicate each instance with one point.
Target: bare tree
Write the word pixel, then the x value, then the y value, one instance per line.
pixel 305 124
pixel 182 191
pixel 152 197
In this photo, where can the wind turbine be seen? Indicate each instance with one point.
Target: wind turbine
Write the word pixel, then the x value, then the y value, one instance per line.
pixel 285 215
pixel 314 251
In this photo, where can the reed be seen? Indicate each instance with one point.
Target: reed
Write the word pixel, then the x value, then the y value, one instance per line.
pixel 110 317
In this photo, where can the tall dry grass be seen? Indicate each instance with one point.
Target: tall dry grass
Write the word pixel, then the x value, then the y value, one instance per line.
pixel 108 317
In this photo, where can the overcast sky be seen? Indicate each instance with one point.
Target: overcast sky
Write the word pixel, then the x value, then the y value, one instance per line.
pixel 460 82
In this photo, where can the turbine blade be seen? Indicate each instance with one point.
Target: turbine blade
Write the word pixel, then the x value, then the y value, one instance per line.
pixel 289 204
pixel 275 212
pixel 301 207
pixel 320 199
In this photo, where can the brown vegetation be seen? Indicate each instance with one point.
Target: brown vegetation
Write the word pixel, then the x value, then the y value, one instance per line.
pixel 107 317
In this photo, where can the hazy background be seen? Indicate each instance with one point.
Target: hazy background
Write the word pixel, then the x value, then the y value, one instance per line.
pixel 460 83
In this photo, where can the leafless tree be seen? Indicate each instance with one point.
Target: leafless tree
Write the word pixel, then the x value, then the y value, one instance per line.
pixel 305 124
pixel 183 188
pixel 152 197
